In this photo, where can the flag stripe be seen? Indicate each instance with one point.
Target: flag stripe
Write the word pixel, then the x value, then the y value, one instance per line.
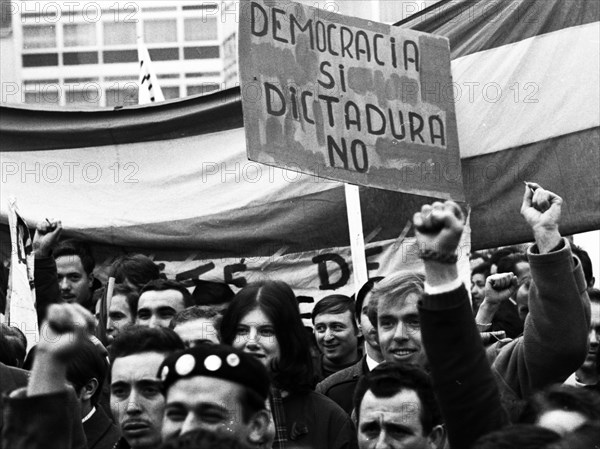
pixel 567 165
pixel 522 86
pixel 478 25
pixel 26 128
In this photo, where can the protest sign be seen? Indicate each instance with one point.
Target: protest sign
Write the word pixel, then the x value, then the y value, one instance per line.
pixel 348 99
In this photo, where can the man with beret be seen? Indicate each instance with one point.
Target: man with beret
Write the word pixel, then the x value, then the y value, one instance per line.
pixel 215 387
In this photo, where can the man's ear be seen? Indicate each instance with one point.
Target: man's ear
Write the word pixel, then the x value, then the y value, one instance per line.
pixel 259 428
pixel 437 438
pixel 89 389
pixel 359 332
pixel 91 280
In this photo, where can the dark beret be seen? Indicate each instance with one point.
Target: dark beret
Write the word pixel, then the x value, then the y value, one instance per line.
pixel 219 361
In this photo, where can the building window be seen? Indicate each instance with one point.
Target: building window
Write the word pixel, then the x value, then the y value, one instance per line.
pixel 40 60
pixel 200 52
pixel 164 54
pixel 42 93
pixel 80 57
pixel 120 56
pixel 170 92
pixel 89 97
pixel 159 31
pixel 200 29
pixel 124 96
pixel 79 34
pixel 119 33
pixel 39 36
pixel 202 89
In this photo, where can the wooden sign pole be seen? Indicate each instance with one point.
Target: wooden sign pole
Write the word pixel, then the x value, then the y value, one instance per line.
pixel 357 241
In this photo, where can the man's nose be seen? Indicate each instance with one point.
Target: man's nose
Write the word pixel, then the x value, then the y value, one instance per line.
pixel 64 284
pixel 133 404
pixel 401 332
pixel 189 423
pixel 329 335
pixel 153 322
pixel 382 441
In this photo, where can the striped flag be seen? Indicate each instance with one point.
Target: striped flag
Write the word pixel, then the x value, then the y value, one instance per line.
pixel 148 88
pixel 172 180
pixel 527 87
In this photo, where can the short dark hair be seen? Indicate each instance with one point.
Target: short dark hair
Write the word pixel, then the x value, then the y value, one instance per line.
pixel 13 345
pixel 85 364
pixel 208 293
pixel 498 254
pixel 138 269
pixel 78 248
pixel 562 397
pixel 394 287
pixel 196 312
pixel 139 339
pixel 160 285
pixel 335 304
pixel 479 255
pixel 484 269
pixel 131 296
pixel 389 378
pixel 522 436
pixel 508 264
pixel 586 263
pixel 294 369
pixel 363 292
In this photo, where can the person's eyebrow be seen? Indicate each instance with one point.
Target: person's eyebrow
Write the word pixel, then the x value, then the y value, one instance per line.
pixel 397 427
pixel 164 309
pixel 211 407
pixel 148 382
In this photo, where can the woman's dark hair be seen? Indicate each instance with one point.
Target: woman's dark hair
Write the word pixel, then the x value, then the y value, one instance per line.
pixel 293 371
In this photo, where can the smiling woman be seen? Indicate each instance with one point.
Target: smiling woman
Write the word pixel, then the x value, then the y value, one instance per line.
pixel 264 320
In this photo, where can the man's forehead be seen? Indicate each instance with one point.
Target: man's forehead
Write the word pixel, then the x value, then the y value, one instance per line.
pixel 137 366
pixel 161 297
pixel 69 262
pixel 199 390
pixel 404 407
pixel 343 317
pixel 367 300
pixel 118 301
pixel 595 313
pixel 400 305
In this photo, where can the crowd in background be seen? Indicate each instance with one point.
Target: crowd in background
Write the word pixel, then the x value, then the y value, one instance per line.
pixel 411 361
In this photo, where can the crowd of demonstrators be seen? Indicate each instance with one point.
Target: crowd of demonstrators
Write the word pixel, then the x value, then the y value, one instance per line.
pixel 411 362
